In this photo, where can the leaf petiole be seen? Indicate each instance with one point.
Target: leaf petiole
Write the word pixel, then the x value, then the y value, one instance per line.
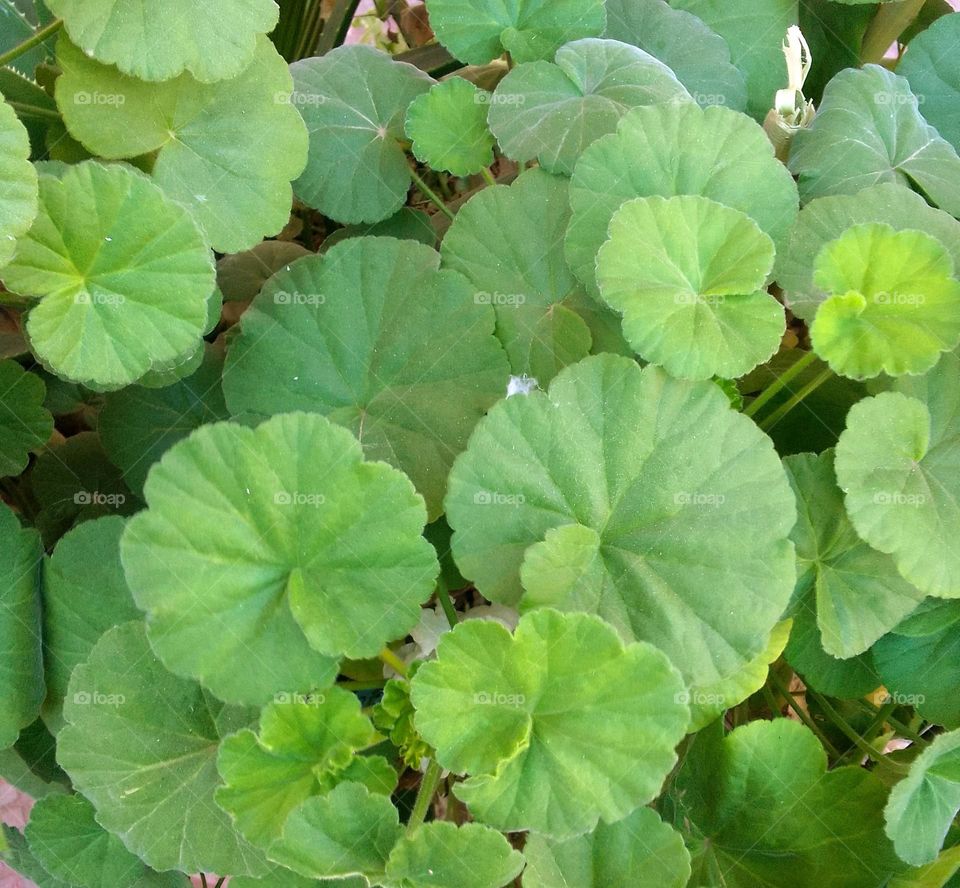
pixel 425 794
pixel 31 42
pixel 393 661
pixel 798 398
pixel 431 195
pixel 781 382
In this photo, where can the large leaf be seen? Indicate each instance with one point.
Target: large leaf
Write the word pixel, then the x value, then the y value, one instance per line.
pixel 123 273
pixel 374 336
pixel 18 182
pixel 15 852
pixel 354 101
pixel 669 150
pixel 227 150
pixel 635 496
pixel 551 111
pixel 477 31
pixel 25 424
pixel 688 274
pixel 298 551
pixel 699 57
pixel 895 305
pixel 922 806
pixel 21 667
pixel 153 42
pixel 868 130
pixel 640 851
pixel 562 696
pixel 141 745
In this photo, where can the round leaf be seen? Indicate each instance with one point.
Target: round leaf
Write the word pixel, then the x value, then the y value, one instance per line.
pixel 635 496
pixel 18 182
pixel 25 424
pixel 552 111
pixel 562 696
pixel 297 551
pixel 688 275
pixel 241 276
pixel 123 273
pixel 374 336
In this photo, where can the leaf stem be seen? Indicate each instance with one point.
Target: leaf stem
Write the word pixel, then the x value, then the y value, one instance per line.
pixel 26 110
pixel 428 787
pixel 431 195
pixel 31 42
pixel 393 661
pixel 787 695
pixel 203 879
pixel 897 725
pixel 784 409
pixel 220 882
pixel 891 20
pixel 784 379
pixel 446 603
pixel 488 176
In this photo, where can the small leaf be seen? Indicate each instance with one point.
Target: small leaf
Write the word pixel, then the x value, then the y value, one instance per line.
pixel 25 424
pixel 241 276
pixel 18 199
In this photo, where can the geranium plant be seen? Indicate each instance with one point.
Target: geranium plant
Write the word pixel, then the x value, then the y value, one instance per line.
pixel 526 456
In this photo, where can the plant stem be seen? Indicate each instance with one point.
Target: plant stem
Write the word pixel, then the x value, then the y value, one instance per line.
pixel 787 695
pixel 431 195
pixel 428 786
pixel 31 42
pixel 868 749
pixel 880 716
pixel 897 725
pixel 25 110
pixel 488 176
pixel 337 25
pixel 784 409
pixel 891 20
pixel 393 661
pixel 220 882
pixel 446 603
pixel 203 879
pixel 784 379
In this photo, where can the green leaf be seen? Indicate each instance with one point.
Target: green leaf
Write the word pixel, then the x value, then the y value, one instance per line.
pixel 448 127
pixel 348 832
pixel 856 592
pixel 141 745
pixel 138 425
pixel 393 716
pixel 826 219
pixel 18 181
pixel 699 57
pixel 406 224
pixel 931 74
pixel 30 764
pixel 670 150
pixel 440 854
pixel 69 843
pixel 604 495
pixel 227 150
pixel 477 31
pixel 15 28
pixel 552 111
pixel 122 272
pixel 298 551
pixel 923 805
pixel 562 696
pixel 84 594
pixel 21 668
pixel 25 424
pixel 895 305
pixel 281 877
pixel 868 130
pixel 241 276
pixel 375 337
pixel 213 41
pixel 303 740
pixel 354 101
pixel 18 857
pixel 688 275
pixel 640 851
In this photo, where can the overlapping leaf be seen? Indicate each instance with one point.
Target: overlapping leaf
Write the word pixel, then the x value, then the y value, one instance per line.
pixel 25 423
pixel 18 182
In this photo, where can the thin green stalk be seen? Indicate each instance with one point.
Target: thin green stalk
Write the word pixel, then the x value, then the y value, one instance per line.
pixel 891 20
pixel 783 380
pixel 31 42
pixel 446 602
pixel 880 717
pixel 896 724
pixel 428 788
pixel 24 109
pixel 393 661
pixel 787 695
pixel 431 195
pixel 798 398
pixel 488 176
pixel 868 749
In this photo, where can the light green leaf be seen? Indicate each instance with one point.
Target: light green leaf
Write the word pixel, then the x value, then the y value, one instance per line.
pixel 375 337
pixel 640 851
pixel 15 28
pixel 228 150
pixel 84 594
pixel 298 551
pixel 827 218
pixel 934 875
pixel 929 68
pixel 562 696
pixel 354 101
pixel 699 57
pixel 141 745
pixel 122 272
pixel 21 668
pixel 25 424
pixel 895 305
pixel 213 40
pixel 923 805
pixel 281 877
pixel 348 832
pixel 636 496
pixel 552 111
pixel 241 276
pixel 18 181
pixel 688 275
pixel 477 31
pixel 303 740
pixel 670 150
pixel 18 857
pixel 448 127
pixel 868 130
pixel 855 591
